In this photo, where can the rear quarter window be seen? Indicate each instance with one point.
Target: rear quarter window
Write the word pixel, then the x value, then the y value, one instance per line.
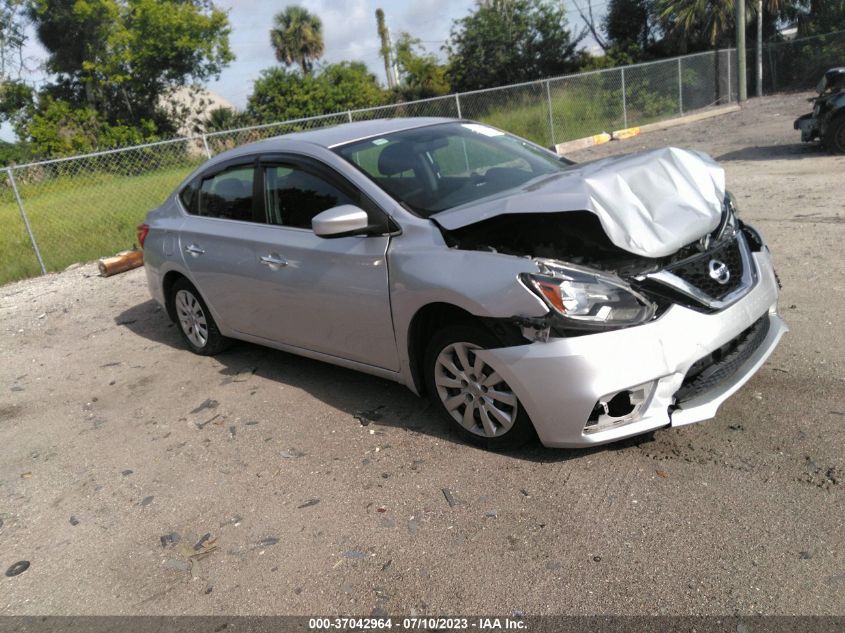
pixel 188 197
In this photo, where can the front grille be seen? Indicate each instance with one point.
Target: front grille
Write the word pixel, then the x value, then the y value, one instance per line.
pixel 696 270
pixel 718 366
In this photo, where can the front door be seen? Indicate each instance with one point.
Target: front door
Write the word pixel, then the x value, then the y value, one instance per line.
pixel 325 295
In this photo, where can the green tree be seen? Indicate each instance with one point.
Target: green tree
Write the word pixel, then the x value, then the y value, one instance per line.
pixel 221 119
pixel 16 100
pixel 297 38
pixel 15 95
pixel 12 38
pixel 818 16
pixel 631 27
pixel 280 94
pixel 507 41
pixel 704 24
pixel 421 75
pixel 59 129
pixel 121 57
pixel 13 153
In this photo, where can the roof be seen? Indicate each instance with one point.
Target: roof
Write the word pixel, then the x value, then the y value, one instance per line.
pixel 348 132
pixel 345 133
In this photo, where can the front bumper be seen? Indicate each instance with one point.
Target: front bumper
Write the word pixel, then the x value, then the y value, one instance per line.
pixel 809 126
pixel 559 382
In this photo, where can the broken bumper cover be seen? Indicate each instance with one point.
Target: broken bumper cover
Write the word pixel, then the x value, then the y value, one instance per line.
pixel 560 382
pixel 809 126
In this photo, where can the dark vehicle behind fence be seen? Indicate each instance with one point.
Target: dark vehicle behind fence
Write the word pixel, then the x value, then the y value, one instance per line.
pixel 827 120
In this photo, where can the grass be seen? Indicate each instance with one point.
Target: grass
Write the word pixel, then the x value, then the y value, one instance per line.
pixel 79 218
pixel 576 115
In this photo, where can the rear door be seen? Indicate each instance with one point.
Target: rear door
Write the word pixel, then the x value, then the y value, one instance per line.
pixel 325 295
pixel 216 240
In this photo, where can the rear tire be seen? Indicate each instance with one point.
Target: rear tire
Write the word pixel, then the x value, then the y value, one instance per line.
pixel 196 325
pixel 478 404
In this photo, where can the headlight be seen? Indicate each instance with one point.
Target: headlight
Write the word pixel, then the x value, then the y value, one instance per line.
pixel 730 203
pixel 729 223
pixel 588 300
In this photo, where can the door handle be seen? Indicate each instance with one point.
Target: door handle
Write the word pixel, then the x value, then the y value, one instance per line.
pixel 273 261
pixel 194 250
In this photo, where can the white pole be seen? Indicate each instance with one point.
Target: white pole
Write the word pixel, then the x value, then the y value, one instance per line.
pixel 681 87
pixel 730 86
pixel 205 147
pixel 759 48
pixel 624 100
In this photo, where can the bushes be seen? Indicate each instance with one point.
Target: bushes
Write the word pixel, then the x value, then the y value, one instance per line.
pixel 280 95
pixel 58 129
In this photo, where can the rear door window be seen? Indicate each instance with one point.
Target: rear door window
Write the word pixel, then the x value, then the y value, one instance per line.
pixel 228 195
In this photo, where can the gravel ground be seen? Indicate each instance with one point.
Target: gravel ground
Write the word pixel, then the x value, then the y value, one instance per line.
pixel 123 451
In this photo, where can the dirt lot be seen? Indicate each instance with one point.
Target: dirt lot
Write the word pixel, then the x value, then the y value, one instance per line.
pixel 121 450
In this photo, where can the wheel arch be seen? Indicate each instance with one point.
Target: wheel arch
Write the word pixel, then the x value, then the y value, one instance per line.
pixel 170 278
pixel 430 318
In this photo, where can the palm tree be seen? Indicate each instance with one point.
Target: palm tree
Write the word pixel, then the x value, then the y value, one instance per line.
pixel 297 37
pixel 711 22
pixel 708 21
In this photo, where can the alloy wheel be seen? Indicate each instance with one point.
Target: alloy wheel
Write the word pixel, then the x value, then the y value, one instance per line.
pixel 192 318
pixel 474 395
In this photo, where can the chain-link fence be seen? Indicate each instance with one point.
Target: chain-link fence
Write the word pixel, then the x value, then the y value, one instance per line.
pixel 58 212
pixel 796 64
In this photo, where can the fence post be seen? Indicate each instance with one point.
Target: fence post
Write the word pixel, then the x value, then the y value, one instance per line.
pixel 624 100
pixel 458 105
pixel 26 221
pixel 205 146
pixel 551 114
pixel 681 87
pixel 349 115
pixel 730 85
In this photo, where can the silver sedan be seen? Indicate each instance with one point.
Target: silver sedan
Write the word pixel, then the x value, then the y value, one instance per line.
pixel 522 293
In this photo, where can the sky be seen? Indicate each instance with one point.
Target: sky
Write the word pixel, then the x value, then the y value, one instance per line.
pixel 349 33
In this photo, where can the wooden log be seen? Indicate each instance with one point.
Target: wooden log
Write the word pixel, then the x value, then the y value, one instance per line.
pixel 123 261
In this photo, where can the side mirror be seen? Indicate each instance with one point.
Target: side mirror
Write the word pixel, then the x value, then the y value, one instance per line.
pixel 340 221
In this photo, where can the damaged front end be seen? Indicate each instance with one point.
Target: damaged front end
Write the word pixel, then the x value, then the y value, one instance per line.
pixel 633 339
pixel 827 120
pixel 591 285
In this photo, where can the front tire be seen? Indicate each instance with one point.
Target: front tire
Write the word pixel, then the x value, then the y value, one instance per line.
pixel 479 405
pixel 835 137
pixel 196 325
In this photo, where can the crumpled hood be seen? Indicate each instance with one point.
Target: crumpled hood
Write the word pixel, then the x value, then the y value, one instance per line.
pixel 649 203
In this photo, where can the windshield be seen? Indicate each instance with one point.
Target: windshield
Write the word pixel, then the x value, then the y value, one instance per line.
pixel 437 167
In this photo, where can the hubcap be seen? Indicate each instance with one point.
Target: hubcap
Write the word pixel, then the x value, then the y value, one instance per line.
pixel 473 393
pixel 192 318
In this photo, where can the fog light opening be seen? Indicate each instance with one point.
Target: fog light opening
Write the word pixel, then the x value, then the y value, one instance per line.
pixel 619 407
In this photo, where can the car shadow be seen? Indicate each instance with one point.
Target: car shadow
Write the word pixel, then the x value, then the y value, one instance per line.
pixel 793 151
pixel 365 399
